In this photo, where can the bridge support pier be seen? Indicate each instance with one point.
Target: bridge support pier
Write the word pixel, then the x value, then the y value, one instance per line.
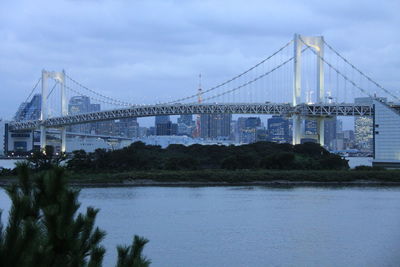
pixel 43 111
pixel 63 139
pixel 321 131
pixel 64 111
pixel 296 129
pixel 43 142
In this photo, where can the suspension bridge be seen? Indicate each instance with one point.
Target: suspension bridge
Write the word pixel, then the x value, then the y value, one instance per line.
pixel 305 78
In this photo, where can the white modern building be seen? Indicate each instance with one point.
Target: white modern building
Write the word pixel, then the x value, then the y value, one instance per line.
pixel 2 137
pixel 386 136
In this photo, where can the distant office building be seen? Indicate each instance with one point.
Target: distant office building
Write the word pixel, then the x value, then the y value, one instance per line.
pixel 252 122
pixel 330 127
pixel 29 110
pixel 152 131
pixel 240 126
pixel 215 126
pixel 348 139
pixel 248 128
pixel 143 132
pixel 164 126
pixel 363 127
pixel 186 119
pixel 79 105
pixel 185 125
pixel 105 128
pixel 2 137
pixel 162 119
pixel 310 127
pixel 261 134
pixel 128 127
pixel 279 130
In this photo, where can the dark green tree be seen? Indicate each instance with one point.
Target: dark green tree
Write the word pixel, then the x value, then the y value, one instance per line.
pixel 45 160
pixel 44 228
pixel 132 255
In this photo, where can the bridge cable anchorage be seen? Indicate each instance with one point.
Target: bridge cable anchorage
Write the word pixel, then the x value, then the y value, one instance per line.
pixel 33 89
pixel 96 99
pixel 360 72
pixel 336 70
pixel 98 94
pixel 233 78
pixel 255 79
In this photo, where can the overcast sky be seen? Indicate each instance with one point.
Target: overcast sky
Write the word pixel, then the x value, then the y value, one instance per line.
pixel 147 51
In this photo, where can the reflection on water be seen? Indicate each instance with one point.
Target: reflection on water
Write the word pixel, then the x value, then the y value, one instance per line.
pixel 251 226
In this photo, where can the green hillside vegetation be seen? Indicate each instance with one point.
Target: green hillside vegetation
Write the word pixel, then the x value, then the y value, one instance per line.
pixel 261 155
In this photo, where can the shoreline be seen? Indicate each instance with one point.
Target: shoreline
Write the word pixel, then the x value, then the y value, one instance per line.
pixel 276 183
pixel 217 177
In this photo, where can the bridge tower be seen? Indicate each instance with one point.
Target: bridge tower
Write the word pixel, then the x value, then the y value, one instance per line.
pixel 60 78
pixel 316 43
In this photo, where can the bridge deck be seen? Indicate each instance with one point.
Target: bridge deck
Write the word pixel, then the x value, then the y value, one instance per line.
pixel 307 110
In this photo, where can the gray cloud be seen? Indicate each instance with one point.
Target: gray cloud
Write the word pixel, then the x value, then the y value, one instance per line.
pixel 147 50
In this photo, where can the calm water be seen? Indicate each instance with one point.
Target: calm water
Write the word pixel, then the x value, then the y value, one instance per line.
pixel 251 226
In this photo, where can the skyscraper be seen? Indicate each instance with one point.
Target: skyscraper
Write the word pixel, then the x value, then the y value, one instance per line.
pixel 215 126
pixel 29 110
pixel 128 127
pixel 279 130
pixel 363 127
pixel 330 126
pixel 79 105
pixel 185 125
pixel 164 126
pixel 186 119
pixel 248 130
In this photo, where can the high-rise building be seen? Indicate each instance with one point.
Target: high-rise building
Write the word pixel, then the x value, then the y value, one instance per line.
pixel 162 119
pixel 186 119
pixel 214 126
pixel 261 134
pixel 248 128
pixel 128 127
pixel 363 127
pixel 310 127
pixel 279 130
pixel 330 126
pixel 252 122
pixel 79 105
pixel 186 125
pixel 29 110
pixel 164 126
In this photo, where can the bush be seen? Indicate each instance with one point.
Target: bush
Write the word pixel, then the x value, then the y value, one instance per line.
pixel 368 168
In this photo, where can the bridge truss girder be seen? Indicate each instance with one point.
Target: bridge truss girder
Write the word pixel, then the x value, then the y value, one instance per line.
pixel 286 110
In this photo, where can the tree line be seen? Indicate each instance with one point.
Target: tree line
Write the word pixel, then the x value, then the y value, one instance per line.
pixel 260 155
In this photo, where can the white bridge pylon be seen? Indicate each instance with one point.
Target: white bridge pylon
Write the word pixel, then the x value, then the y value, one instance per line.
pixel 60 78
pixel 316 43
